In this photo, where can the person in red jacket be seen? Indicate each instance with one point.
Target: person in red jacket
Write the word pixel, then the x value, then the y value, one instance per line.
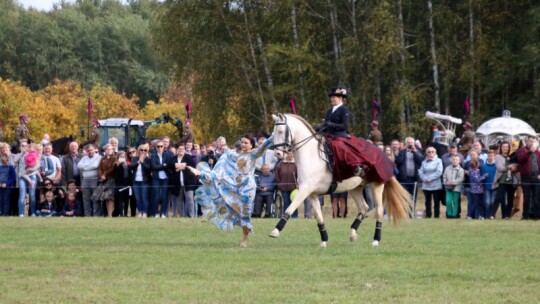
pixel 528 158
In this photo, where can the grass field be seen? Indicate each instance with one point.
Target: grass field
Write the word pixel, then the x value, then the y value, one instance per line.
pixel 127 260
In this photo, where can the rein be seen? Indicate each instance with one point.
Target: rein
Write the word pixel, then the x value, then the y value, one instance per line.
pixel 287 144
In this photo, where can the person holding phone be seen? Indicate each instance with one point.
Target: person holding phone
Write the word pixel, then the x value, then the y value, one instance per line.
pixel 140 169
pixel 122 181
pixel 408 161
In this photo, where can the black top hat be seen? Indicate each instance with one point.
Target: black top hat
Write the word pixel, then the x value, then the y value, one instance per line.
pixel 338 91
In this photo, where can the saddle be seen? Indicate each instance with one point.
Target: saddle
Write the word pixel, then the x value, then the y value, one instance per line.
pixel 327 150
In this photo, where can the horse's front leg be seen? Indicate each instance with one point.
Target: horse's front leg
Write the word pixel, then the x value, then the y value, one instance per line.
pixel 317 212
pixel 300 197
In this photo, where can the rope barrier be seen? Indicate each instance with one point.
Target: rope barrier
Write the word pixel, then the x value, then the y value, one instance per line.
pixel 149 184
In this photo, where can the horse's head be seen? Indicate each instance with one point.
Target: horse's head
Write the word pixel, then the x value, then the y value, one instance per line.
pixel 282 133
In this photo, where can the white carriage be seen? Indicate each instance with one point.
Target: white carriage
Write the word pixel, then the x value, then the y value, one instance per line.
pixel 504 128
pixel 447 126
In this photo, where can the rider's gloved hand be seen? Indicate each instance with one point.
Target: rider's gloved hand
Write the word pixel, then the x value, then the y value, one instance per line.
pixel 329 124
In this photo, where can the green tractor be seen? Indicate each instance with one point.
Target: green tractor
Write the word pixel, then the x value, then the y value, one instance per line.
pixel 130 132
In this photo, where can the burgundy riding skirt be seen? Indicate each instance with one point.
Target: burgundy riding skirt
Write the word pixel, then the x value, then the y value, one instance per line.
pixel 348 153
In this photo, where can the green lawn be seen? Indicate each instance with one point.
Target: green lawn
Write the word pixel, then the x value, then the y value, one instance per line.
pixel 127 260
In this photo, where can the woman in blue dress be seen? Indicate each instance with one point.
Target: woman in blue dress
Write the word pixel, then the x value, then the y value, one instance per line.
pixel 228 190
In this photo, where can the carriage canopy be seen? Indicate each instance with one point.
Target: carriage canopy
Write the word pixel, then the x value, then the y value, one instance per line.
pixel 505 128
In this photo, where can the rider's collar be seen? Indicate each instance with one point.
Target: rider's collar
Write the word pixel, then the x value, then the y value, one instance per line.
pixel 335 107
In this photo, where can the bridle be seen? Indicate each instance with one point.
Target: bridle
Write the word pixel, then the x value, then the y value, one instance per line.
pixel 288 143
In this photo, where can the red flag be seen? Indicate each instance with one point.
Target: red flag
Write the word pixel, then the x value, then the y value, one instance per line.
pixel 90 108
pixel 293 106
pixel 188 108
pixel 467 108
pixel 376 109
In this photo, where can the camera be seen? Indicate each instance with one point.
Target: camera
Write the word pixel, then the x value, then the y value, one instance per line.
pixel 410 146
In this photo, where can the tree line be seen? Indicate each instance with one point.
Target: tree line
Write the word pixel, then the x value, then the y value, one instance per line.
pixel 240 61
pixel 248 58
pixel 92 42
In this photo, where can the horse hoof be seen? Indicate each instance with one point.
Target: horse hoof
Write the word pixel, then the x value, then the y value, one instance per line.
pixel 243 244
pixel 375 243
pixel 324 245
pixel 353 236
pixel 274 233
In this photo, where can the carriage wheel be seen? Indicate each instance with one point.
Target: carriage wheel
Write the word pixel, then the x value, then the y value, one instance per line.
pixel 277 206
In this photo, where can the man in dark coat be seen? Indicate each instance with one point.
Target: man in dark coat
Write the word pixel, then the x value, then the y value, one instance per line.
pixel 408 161
pixel 183 183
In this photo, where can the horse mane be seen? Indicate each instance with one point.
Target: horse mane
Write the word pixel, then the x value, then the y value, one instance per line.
pixel 302 120
pixel 321 139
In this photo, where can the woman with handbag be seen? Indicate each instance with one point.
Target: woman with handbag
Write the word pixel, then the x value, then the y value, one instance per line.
pixel 507 178
pixel 105 190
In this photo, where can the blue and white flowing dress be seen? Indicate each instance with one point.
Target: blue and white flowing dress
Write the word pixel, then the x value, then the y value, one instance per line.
pixel 227 192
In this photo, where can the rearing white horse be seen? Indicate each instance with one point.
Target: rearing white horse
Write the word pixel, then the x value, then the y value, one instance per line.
pixel 293 134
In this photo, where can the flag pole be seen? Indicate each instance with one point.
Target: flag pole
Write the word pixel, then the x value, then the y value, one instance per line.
pixel 90 105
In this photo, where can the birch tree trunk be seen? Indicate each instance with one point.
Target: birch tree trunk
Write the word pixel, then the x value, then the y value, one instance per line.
pixel 335 39
pixel 472 55
pixel 404 113
pixel 435 65
pixel 302 77
pixel 269 79
pixel 245 71
pixel 255 68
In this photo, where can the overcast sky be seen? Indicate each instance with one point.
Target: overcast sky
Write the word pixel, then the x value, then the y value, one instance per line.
pixel 39 4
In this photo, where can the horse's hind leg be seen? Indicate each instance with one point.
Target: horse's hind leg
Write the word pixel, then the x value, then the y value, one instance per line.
pixel 317 212
pixel 358 197
pixel 379 209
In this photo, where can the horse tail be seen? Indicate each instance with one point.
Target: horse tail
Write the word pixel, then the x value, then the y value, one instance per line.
pixel 397 201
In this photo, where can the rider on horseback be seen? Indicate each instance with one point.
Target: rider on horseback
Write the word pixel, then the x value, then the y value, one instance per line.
pixel 352 155
pixel 94 136
pixel 21 130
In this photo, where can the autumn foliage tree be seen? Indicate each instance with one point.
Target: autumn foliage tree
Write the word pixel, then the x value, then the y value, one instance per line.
pixel 61 109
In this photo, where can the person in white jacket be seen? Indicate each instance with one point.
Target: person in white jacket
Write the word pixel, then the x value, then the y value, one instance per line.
pixel 452 179
pixel 88 168
pixel 430 173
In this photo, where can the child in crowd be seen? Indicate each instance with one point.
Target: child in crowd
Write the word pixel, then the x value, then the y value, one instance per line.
pixel 490 169
pixel 58 193
pixel 453 179
pixel 72 207
pixel 72 187
pixel 47 208
pixel 30 160
pixel 477 189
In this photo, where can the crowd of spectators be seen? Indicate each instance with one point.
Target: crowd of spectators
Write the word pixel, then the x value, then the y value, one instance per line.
pixel 488 177
pixel 151 180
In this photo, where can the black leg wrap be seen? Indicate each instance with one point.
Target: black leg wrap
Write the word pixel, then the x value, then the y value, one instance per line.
pixel 378 231
pixel 357 221
pixel 322 230
pixel 284 218
pixel 356 224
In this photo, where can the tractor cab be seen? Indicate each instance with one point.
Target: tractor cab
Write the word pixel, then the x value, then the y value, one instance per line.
pixel 129 132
